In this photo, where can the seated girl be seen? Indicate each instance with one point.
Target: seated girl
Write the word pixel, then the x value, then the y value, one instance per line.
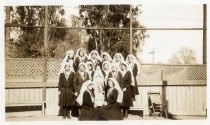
pixel 111 110
pixel 88 112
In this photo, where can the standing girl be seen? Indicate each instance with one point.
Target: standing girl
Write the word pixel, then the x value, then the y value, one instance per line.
pixel 132 67
pixel 127 88
pixel 81 56
pixel 66 91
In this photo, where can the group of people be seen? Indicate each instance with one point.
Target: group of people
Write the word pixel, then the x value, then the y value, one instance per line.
pixel 96 87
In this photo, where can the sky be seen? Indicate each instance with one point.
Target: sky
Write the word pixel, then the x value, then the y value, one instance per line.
pixel 166 43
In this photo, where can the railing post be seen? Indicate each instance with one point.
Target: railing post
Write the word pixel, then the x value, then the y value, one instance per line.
pixel 131 30
pixel 7 30
pixel 204 33
pixel 45 62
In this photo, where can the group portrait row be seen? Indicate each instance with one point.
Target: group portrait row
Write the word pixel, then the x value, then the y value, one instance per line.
pixel 96 87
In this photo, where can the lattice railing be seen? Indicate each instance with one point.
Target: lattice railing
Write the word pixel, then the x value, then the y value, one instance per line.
pixel 24 68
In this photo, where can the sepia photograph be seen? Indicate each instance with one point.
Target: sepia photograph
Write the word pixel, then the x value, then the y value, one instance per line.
pixel 105 62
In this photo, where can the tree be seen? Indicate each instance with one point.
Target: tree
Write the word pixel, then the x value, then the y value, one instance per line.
pixel 184 56
pixel 30 40
pixel 112 41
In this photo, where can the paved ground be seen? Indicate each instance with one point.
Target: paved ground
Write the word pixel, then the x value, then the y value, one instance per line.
pixel 37 116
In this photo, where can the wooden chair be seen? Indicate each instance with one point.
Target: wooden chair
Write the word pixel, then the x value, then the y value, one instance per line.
pixel 155 104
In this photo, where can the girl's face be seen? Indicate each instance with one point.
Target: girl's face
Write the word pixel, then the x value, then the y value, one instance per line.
pixel 90 86
pixel 71 55
pixel 130 59
pixel 106 66
pixel 89 67
pixel 97 68
pixel 118 58
pixel 110 84
pixel 94 55
pixel 67 67
pixel 114 69
pixel 82 68
pixel 123 67
pixel 105 57
pixel 81 53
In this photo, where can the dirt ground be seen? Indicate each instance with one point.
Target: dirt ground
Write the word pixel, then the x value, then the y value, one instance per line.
pixel 37 116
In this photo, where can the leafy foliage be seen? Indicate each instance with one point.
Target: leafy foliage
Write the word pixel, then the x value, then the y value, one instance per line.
pixel 30 40
pixel 111 41
pixel 184 56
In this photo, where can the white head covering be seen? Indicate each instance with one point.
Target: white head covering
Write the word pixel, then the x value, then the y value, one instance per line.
pixel 107 54
pixel 65 61
pixel 82 90
pixel 89 62
pixel 133 57
pixel 77 53
pixel 81 63
pixel 118 54
pixel 128 69
pixel 63 64
pixel 106 62
pixel 116 86
pixel 97 55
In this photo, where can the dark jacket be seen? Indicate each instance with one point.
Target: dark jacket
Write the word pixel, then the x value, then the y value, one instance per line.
pixel 66 88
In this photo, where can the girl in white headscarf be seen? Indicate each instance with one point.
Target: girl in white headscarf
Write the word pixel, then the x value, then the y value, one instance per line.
pixel 81 56
pixel 98 80
pixel 126 87
pixel 89 65
pixel 95 58
pixel 86 99
pixel 133 68
pixel 106 68
pixel 106 57
pixel 111 110
pixel 66 91
pixel 118 58
pixel 69 58
pixel 115 73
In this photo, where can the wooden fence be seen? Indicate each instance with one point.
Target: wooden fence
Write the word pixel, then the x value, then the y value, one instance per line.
pixel 182 86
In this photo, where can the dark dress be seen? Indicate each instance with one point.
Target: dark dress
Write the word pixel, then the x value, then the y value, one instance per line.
pixel 111 111
pixel 66 96
pixel 135 90
pixel 88 112
pixel 96 63
pixel 118 78
pixel 78 61
pixel 73 64
pixel 78 81
pixel 127 95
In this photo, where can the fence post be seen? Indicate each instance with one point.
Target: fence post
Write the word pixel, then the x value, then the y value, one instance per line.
pixel 7 30
pixel 164 84
pixel 45 62
pixel 204 34
pixel 131 30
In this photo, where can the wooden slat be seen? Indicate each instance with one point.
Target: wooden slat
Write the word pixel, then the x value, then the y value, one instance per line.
pixel 179 98
pixel 204 98
pixel 183 100
pixel 11 96
pixel 174 100
pixel 187 98
pixel 192 97
pixel 16 95
pixel 22 95
pixel 27 96
pixel 6 97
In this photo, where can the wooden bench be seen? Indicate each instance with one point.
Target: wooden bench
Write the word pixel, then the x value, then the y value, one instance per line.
pixel 137 108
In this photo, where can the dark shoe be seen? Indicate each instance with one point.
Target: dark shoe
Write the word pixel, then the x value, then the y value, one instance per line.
pixel 68 116
pixel 63 117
